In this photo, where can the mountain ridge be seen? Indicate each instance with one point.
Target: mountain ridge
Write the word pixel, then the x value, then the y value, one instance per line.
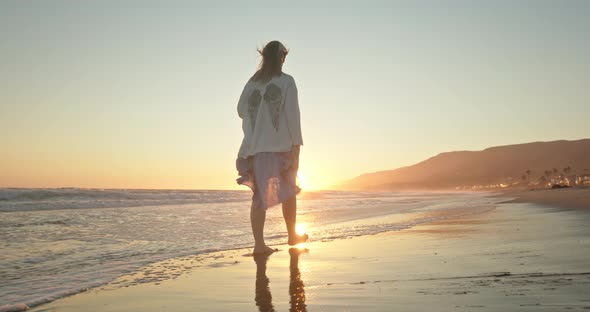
pixel 492 165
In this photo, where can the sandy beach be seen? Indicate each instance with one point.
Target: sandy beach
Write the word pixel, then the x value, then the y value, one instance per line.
pixel 517 257
pixel 569 198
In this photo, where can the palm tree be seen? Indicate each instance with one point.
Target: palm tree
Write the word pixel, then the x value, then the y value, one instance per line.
pixel 527 176
pixel 555 170
pixel 548 173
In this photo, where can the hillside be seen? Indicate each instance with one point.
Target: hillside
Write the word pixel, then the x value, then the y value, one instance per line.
pixel 494 165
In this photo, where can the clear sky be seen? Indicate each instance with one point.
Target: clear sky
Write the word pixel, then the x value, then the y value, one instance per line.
pixel 143 94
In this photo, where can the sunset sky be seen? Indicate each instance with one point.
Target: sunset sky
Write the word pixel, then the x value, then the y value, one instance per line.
pixel 143 94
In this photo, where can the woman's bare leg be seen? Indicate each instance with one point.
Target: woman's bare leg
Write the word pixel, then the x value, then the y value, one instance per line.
pixel 290 216
pixel 257 218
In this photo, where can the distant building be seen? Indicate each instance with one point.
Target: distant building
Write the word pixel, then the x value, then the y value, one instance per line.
pixel 559 180
pixel 583 179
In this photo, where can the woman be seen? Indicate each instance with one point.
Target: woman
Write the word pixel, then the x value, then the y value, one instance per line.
pixel 269 155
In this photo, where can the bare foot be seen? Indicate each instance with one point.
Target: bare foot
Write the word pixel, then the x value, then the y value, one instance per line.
pixel 298 239
pixel 263 250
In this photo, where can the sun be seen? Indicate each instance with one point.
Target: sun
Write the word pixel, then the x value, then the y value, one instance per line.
pixel 300 228
pixel 302 180
pixel 311 180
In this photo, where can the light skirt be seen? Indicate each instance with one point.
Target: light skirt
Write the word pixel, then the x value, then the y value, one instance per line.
pixel 272 176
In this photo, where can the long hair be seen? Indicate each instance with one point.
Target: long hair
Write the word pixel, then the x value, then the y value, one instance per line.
pixel 272 61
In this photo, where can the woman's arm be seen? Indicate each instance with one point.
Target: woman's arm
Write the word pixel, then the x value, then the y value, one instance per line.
pixel 295 155
pixel 293 115
pixel 241 102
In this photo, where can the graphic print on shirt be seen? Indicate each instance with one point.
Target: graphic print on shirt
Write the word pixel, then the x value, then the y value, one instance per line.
pixel 272 98
pixel 253 105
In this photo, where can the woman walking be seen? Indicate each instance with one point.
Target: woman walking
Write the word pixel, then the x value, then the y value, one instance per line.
pixel 268 158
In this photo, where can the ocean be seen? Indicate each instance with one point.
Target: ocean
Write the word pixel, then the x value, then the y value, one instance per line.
pixel 57 242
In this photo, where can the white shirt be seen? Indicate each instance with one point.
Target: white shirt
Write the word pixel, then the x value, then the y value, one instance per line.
pixel 270 116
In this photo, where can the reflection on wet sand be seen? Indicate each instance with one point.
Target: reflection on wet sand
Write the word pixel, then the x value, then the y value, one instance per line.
pixel 263 298
pixel 296 287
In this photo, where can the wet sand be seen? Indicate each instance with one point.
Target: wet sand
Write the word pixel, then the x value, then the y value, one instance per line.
pixel 518 257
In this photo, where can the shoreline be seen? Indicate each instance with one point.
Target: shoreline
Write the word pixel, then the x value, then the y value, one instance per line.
pixel 495 260
pixel 566 199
